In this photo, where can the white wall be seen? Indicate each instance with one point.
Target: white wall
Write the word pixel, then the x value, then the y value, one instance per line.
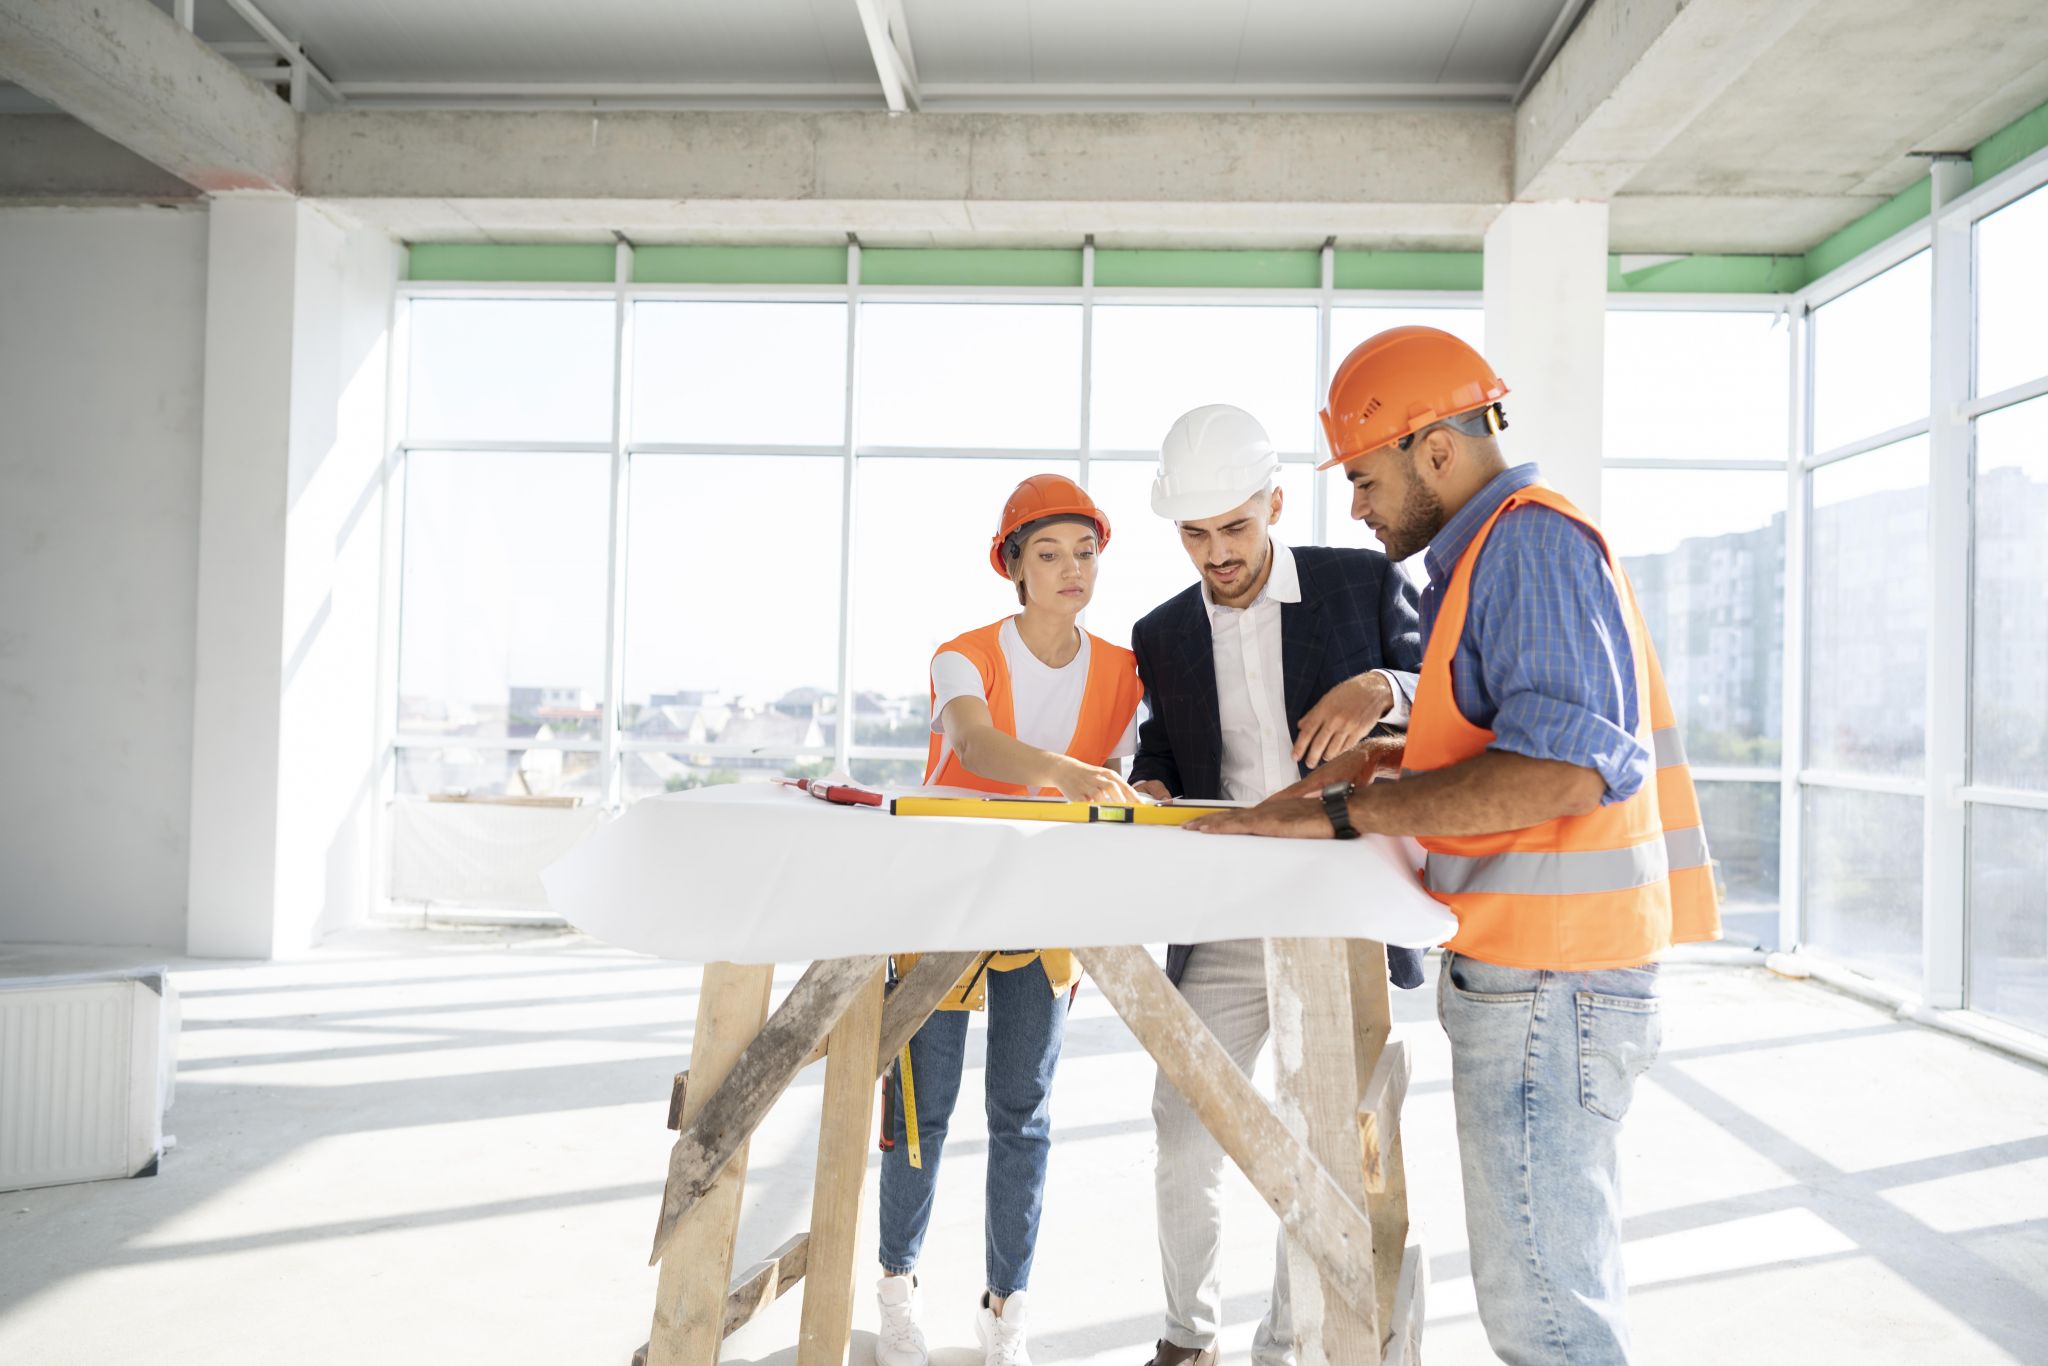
pixel 102 322
pixel 299 310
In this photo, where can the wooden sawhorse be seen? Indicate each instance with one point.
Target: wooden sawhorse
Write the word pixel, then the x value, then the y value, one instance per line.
pixel 1326 1156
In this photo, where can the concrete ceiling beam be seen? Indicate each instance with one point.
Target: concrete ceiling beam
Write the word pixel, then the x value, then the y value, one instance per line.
pixel 1631 78
pixel 131 72
pixel 784 161
pixel 55 159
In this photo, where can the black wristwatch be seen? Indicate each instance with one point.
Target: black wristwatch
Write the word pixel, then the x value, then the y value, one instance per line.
pixel 1335 797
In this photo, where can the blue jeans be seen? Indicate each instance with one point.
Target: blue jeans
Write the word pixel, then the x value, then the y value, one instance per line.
pixel 1543 1066
pixel 1026 1024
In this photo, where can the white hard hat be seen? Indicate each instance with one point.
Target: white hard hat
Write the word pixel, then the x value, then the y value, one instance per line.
pixel 1213 458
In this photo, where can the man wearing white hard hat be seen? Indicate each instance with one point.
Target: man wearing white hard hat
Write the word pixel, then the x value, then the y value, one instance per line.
pixel 1275 660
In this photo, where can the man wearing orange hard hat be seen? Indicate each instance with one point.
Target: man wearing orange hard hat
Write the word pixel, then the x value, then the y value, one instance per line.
pixel 1543 772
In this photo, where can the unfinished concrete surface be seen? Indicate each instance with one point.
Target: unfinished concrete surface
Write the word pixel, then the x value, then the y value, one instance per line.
pixel 418 1146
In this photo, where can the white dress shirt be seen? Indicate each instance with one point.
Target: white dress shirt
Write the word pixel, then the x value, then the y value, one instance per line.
pixel 1251 689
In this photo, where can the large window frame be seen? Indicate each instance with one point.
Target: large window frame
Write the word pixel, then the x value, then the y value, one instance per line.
pixel 1771 304
pixel 1945 788
pixel 623 447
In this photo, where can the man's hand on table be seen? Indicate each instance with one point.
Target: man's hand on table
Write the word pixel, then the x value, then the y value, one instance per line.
pixel 1353 765
pixel 1154 789
pixel 1299 818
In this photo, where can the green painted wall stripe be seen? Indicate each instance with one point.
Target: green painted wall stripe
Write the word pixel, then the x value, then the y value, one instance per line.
pixel 1210 269
pixel 546 262
pixel 1894 216
pixel 1408 269
pixel 979 266
pixel 1711 275
pixel 2010 145
pixel 659 265
pixel 2004 149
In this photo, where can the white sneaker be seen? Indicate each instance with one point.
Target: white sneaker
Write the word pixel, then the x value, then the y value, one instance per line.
pixel 901 1341
pixel 1003 1338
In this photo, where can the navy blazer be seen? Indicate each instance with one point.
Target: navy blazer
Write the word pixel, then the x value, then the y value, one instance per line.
pixel 1357 612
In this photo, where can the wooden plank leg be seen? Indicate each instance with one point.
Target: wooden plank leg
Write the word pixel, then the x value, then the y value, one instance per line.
pixel 1387 1197
pixel 851 1062
pixel 1314 1209
pixel 1404 1343
pixel 1308 997
pixel 735 1107
pixel 689 1305
pixel 916 997
pixel 759 1286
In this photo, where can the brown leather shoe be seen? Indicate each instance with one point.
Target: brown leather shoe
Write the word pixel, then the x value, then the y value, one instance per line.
pixel 1165 1353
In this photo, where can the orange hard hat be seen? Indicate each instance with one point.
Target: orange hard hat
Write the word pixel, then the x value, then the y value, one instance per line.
pixel 1397 382
pixel 1045 495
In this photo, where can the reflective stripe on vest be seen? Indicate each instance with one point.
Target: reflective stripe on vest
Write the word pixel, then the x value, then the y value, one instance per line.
pixel 1576 873
pixel 1670 747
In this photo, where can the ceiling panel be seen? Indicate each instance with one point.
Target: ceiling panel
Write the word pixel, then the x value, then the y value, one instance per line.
pixel 649 41
pixel 1224 42
pixel 1142 41
pixel 1498 40
pixel 1319 42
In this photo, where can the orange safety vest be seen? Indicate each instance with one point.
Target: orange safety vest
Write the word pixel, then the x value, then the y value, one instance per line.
pixel 1612 888
pixel 1109 699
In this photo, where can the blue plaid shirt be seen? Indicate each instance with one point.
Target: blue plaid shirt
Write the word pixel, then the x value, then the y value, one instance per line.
pixel 1544 662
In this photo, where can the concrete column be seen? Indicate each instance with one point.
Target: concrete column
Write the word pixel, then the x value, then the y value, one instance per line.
pixel 245 430
pixel 291 483
pixel 1546 330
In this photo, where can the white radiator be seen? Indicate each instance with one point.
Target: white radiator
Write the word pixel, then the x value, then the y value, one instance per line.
pixel 87 1068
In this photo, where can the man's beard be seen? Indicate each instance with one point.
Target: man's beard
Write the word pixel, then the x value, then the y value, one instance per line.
pixel 1422 517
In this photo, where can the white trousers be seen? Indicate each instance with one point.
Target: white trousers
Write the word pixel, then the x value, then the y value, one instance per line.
pixel 1225 983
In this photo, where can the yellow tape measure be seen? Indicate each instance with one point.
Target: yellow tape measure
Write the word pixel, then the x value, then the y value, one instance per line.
pixel 910 1109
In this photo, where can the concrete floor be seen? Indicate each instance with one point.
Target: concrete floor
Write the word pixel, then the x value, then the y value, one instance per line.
pixel 447 1146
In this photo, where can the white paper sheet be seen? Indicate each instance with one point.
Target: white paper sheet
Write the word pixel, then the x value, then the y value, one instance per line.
pixel 755 873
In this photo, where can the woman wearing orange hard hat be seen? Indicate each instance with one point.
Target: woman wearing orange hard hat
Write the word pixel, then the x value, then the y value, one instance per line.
pixel 1027 704
pixel 1544 773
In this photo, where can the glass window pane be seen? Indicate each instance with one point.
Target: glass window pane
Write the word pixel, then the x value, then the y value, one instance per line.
pixel 1145 563
pixel 1870 356
pixel 887 772
pixel 1862 880
pixel 2009 729
pixel 2012 294
pixel 650 773
pixel 460 771
pixel 921 576
pixel 1153 362
pixel 977 375
pixel 1867 612
pixel 2009 914
pixel 502 615
pixel 740 373
pixel 1696 386
pixel 510 370
pixel 1742 835
pixel 697 662
pixel 1706 552
pixel 1351 325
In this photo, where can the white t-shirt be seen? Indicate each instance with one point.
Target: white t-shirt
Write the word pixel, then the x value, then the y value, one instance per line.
pixel 1045 702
